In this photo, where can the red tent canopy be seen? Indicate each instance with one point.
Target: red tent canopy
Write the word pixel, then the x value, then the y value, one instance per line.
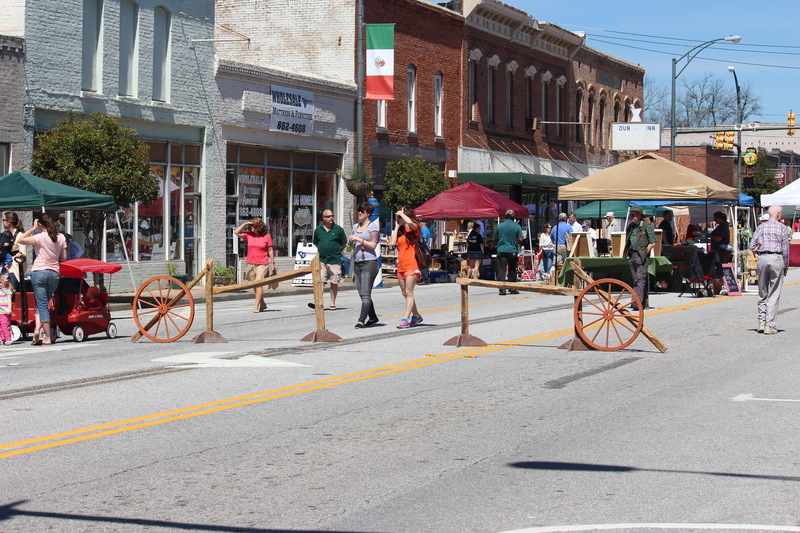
pixel 76 268
pixel 469 200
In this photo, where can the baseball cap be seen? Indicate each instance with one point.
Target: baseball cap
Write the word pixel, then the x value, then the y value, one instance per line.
pixel 610 214
pixel 636 209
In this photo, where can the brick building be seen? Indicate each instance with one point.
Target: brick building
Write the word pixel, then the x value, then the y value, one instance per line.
pixel 269 57
pixel 140 62
pixel 12 76
pixel 538 104
pixel 424 118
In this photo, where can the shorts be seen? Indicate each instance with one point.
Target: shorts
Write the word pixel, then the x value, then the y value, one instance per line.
pixel 408 273
pixel 254 272
pixel 330 273
pixel 474 255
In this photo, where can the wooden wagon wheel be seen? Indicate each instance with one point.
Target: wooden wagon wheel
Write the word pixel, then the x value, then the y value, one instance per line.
pixel 162 312
pixel 604 319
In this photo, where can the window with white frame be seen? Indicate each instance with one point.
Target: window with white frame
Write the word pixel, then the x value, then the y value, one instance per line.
pixel 162 44
pixel 491 80
pixel 92 51
pixel 472 83
pixel 5 159
pixel 560 84
pixel 411 97
pixel 438 87
pixel 128 48
pixel 546 77
pixel 511 69
pixel 381 114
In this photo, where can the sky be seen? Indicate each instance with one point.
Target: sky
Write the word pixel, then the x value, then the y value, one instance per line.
pixel 651 34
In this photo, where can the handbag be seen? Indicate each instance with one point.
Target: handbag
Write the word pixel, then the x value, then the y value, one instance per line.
pixel 422 253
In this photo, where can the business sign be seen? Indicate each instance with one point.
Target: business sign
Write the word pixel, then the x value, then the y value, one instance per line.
pixel 292 111
pixel 780 177
pixel 635 136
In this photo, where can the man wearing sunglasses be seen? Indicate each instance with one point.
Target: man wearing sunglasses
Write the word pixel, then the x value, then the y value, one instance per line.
pixel 330 240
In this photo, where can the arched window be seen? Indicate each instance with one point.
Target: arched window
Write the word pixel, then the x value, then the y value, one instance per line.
pixel 411 97
pixel 92 53
pixel 578 110
pixel 590 119
pixel 162 44
pixel 128 48
pixel 438 88
pixel 491 82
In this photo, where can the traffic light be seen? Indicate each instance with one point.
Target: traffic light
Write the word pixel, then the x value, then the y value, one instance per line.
pixel 790 123
pixel 719 142
pixel 724 140
pixel 730 139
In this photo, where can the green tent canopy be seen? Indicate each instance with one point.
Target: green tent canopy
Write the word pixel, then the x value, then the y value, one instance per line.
pixel 599 208
pixel 514 178
pixel 20 190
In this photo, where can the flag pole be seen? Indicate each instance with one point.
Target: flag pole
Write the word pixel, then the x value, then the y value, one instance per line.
pixel 360 83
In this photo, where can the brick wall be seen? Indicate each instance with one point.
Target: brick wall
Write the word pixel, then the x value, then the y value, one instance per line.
pixel 429 38
pixel 707 160
pixel 11 105
pixel 313 37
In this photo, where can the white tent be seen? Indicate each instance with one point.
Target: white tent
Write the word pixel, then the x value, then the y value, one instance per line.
pixel 789 195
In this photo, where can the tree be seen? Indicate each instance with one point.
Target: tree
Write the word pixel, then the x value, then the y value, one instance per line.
pixel 98 155
pixel 411 181
pixel 764 181
pixel 699 102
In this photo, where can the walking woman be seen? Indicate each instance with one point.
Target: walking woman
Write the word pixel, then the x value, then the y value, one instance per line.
pixel 475 249
pixel 406 232
pixel 9 243
pixel 365 240
pixel 51 249
pixel 548 250
pixel 260 256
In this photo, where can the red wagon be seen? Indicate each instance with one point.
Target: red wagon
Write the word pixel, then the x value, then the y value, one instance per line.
pixel 69 311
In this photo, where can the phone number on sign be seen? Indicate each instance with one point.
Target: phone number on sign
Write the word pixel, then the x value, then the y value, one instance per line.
pixel 291 126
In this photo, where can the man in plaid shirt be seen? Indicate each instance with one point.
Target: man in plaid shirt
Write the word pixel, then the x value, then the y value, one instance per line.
pixel 771 245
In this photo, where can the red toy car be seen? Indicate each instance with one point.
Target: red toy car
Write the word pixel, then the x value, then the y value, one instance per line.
pixel 76 309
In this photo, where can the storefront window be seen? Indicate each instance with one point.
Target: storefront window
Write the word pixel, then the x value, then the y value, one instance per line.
pixel 325 193
pixel 151 224
pixel 302 207
pixel 251 197
pixel 278 209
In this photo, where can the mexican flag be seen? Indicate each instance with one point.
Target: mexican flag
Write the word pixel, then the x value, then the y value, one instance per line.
pixel 380 61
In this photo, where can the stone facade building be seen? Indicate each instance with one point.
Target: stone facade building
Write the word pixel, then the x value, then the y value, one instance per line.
pixel 145 63
pixel 12 105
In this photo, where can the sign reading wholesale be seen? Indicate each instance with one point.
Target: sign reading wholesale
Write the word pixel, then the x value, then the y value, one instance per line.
pixel 292 111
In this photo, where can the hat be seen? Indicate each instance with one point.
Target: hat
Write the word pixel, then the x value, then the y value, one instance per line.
pixel 636 209
pixel 610 214
pixel 765 216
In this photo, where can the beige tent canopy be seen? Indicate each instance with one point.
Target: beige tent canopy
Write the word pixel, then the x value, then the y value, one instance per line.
pixel 647 177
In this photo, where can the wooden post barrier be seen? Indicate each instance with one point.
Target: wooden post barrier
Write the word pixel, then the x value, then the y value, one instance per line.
pixel 209 335
pixel 584 277
pixel 465 339
pixel 138 335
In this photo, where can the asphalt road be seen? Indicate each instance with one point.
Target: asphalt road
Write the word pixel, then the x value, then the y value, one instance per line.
pixel 391 431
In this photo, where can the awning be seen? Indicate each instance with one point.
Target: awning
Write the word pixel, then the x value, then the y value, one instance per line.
pixel 538 181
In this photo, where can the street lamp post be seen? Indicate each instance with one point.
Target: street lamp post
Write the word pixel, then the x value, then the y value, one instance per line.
pixel 738 130
pixel 688 56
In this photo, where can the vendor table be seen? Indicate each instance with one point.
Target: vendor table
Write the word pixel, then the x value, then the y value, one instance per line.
pixel 612 267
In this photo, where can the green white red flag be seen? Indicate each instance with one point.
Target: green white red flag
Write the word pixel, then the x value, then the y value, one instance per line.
pixel 380 61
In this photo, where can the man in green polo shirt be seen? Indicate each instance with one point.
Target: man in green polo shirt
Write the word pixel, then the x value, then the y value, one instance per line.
pixel 640 239
pixel 330 240
pixel 509 236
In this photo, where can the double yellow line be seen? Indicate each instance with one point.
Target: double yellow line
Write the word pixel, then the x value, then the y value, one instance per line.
pixel 184 413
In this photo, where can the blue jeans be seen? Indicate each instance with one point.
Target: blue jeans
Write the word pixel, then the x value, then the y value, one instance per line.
pixel 365 273
pixel 45 283
pixel 548 257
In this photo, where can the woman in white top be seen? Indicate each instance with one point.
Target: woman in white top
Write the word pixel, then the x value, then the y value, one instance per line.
pixel 51 249
pixel 548 251
pixel 364 239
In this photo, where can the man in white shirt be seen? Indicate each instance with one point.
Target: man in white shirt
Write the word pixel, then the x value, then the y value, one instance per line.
pixel 573 221
pixel 611 224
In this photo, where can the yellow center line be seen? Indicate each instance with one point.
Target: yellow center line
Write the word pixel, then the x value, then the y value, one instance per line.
pixel 130 424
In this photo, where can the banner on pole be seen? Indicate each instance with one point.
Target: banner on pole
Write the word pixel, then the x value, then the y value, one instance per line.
pixel 380 62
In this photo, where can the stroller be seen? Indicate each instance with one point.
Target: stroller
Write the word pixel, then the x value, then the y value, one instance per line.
pixel 75 309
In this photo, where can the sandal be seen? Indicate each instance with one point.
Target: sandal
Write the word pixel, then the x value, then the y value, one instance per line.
pixel 36 342
pixel 332 308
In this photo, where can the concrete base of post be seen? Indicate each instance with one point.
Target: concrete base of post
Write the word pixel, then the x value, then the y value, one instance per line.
pixel 321 335
pixel 465 339
pixel 209 337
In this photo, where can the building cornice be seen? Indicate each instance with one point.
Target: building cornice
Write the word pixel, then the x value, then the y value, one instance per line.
pixel 230 68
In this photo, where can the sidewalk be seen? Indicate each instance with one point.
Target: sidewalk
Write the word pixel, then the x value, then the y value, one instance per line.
pixel 124 301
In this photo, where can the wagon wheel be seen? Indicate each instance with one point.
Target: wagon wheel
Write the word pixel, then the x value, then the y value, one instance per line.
pixel 162 312
pixel 604 318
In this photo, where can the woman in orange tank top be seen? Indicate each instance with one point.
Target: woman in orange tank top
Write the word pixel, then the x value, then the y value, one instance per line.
pixel 405 234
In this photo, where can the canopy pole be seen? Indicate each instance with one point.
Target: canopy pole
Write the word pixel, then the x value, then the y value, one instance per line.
pixel 125 249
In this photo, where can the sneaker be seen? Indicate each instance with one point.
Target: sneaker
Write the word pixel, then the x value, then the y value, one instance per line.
pixel 404 323
pixel 761 328
pixel 416 319
pixel 770 331
pixel 502 293
pixel 513 292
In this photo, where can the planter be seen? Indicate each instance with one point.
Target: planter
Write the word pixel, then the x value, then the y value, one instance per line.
pixel 358 188
pixel 183 278
pixel 222 280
